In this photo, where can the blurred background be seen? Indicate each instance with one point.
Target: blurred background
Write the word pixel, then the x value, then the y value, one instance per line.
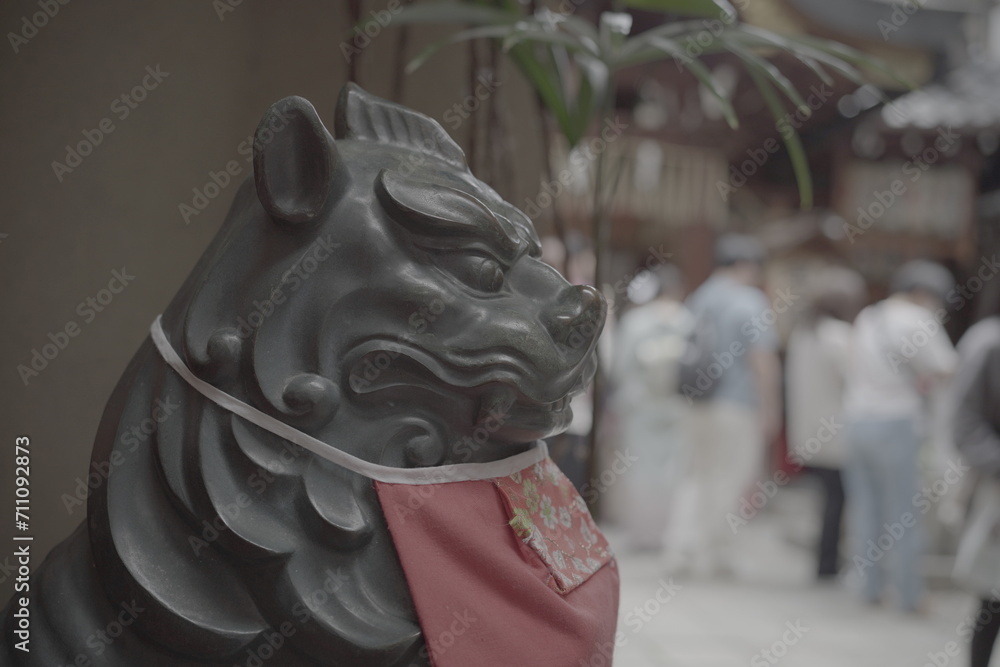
pixel 834 142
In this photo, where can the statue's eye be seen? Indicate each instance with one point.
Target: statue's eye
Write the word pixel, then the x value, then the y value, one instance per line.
pixel 480 272
pixel 490 276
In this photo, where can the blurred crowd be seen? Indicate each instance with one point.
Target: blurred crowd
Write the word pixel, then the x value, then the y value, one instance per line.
pixel 897 427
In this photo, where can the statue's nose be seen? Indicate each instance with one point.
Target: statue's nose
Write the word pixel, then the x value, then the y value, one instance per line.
pixel 580 316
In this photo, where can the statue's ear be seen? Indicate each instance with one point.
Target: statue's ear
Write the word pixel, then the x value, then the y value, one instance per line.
pixel 294 158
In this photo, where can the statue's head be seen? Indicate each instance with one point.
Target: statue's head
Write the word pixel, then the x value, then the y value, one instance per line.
pixel 372 286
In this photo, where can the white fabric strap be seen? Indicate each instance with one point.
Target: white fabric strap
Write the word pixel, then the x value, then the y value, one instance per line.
pixel 458 472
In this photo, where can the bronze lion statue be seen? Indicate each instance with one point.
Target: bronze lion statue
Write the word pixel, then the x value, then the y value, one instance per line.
pixel 367 295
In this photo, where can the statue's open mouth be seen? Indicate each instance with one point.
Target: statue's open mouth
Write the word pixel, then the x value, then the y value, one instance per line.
pixel 525 422
pixel 514 403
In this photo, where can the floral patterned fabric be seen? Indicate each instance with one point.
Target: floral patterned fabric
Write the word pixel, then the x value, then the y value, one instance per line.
pixel 483 596
pixel 547 514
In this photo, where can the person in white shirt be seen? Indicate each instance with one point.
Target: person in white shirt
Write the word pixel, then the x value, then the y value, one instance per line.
pixel 900 350
pixel 649 343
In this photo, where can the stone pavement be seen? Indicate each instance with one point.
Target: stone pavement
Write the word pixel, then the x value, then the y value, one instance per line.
pixel 770 612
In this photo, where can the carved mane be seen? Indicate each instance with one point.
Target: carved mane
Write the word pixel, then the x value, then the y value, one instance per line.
pixel 331 260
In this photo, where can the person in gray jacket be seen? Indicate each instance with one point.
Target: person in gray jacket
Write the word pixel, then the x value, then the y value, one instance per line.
pixel 976 430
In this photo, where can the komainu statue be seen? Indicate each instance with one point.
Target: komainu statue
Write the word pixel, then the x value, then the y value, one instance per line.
pixel 328 451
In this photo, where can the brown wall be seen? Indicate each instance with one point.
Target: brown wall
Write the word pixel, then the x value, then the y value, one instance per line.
pixel 119 208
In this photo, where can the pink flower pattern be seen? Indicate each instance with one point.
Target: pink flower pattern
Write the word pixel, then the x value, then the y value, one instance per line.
pixel 548 515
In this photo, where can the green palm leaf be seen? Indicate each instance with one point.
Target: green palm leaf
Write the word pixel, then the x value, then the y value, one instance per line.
pixel 852 56
pixel 542 77
pixel 759 64
pixel 706 8
pixel 660 46
pixel 554 50
pixel 796 152
pixel 529 31
pixel 499 31
pixel 462 13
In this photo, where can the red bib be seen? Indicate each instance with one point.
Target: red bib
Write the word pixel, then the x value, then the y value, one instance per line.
pixel 505 571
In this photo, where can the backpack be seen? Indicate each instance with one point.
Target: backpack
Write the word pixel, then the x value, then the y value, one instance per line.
pixel 699 370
